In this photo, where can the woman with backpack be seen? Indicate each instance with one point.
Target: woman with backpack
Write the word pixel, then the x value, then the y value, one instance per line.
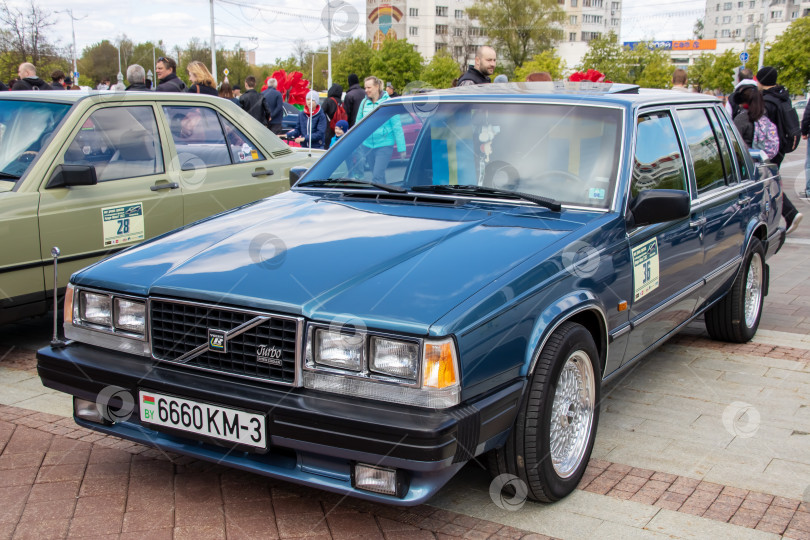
pixel 333 109
pixel 756 129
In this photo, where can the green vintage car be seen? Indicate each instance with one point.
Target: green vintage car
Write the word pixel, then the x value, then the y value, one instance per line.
pixel 93 173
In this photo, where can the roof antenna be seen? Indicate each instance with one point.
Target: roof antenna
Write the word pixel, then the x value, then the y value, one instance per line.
pixel 56 342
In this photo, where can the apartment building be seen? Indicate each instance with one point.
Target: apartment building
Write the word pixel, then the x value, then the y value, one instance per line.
pixel 735 22
pixel 434 25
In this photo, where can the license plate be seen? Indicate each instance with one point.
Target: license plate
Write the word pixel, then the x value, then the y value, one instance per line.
pixel 221 423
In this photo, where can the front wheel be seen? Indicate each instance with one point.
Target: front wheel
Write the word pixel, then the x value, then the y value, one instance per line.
pixel 551 442
pixel 736 316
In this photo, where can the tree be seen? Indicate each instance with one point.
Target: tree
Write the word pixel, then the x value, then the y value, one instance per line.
pixel 698 29
pixel 545 61
pixel 607 56
pixel 354 58
pixel 520 28
pixel 23 38
pixel 397 62
pixel 790 55
pixel 98 62
pixel 721 75
pixel 651 67
pixel 146 55
pixel 440 71
pixel 700 70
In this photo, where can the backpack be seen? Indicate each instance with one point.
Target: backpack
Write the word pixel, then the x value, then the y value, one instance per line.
pixel 787 123
pixel 766 137
pixel 340 114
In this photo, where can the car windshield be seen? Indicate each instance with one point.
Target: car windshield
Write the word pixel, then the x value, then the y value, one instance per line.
pixel 564 153
pixel 25 127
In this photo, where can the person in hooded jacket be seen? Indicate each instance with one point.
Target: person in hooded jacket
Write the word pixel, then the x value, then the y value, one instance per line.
pixel 354 96
pixel 776 97
pixel 378 149
pixel 311 128
pixel 28 79
pixel 329 108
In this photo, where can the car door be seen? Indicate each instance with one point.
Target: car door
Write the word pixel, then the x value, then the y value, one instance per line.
pixel 133 200
pixel 722 204
pixel 666 258
pixel 217 163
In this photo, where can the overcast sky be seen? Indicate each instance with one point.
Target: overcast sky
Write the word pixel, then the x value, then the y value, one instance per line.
pixel 274 25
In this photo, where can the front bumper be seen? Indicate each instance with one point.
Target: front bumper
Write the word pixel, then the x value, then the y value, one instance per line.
pixel 314 437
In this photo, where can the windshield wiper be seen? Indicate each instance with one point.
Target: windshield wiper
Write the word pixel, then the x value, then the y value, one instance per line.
pixel 467 189
pixel 337 181
pixel 9 176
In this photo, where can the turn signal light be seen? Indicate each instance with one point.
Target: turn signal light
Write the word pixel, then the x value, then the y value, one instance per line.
pixel 69 304
pixel 441 367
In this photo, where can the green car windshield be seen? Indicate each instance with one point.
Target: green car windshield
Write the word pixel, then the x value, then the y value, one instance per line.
pixel 568 153
pixel 25 128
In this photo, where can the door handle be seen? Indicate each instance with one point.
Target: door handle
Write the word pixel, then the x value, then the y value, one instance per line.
pixel 169 185
pixel 697 223
pixel 268 172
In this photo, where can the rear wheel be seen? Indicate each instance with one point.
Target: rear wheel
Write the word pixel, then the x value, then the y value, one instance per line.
pixel 551 442
pixel 736 317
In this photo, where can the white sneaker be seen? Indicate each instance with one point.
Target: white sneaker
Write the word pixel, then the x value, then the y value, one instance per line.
pixel 795 223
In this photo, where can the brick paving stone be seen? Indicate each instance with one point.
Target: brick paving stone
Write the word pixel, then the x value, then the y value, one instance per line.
pixel 156 534
pixel 109 455
pixel 252 491
pixel 58 509
pixel 630 483
pixel 696 508
pixel 119 469
pixel 298 525
pixel 53 491
pixel 755 496
pixel 418 534
pixel 249 510
pixel 41 528
pixel 753 506
pixel 100 505
pixel 745 518
pixel 734 492
pixel 190 514
pixel 599 464
pixel 91 525
pixel 602 485
pixel 671 500
pixel 148 521
pixel 20 461
pixel 620 494
pixel 389 525
pixel 289 506
pixel 776 527
pixel 474 534
pixel 100 486
pixel 641 473
pixel 351 525
pixel 60 473
pixel 488 526
pixel 466 521
pixel 664 477
pixel 452 529
pixel 782 502
pixel 619 468
pixel 801 521
pixel 796 534
pixel 510 532
pixel 729 500
pixel 684 485
pixel 199 531
pixel 255 528
pixel 646 496
pixel 19 477
pixel 710 487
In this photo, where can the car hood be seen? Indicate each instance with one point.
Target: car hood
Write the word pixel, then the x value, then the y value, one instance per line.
pixel 6 186
pixel 392 265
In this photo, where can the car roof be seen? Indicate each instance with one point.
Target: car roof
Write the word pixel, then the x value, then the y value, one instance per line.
pixel 73 96
pixel 625 94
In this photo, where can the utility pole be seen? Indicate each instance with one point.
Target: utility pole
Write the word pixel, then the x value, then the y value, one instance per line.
pixel 765 4
pixel 213 45
pixel 329 44
pixel 73 30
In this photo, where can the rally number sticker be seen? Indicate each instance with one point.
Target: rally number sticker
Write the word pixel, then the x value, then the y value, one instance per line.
pixel 122 224
pixel 645 268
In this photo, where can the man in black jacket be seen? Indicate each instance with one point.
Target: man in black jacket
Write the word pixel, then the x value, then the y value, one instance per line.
pixel 28 79
pixel 275 106
pixel 354 96
pixel 253 102
pixel 167 80
pixel 779 110
pixel 485 60
pixel 58 80
pixel 136 77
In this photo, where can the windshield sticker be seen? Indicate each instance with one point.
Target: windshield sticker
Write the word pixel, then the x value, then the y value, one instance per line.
pixel 645 268
pixel 122 224
pixel 254 154
pixel 596 193
pixel 242 156
pixel 246 148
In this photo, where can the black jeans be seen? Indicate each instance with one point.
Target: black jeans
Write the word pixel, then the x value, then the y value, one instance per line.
pixel 788 210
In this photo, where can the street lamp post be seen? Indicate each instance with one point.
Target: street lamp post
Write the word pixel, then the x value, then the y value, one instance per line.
pixel 73 30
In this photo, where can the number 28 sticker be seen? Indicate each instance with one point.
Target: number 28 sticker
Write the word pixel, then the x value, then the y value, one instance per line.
pixel 645 268
pixel 122 224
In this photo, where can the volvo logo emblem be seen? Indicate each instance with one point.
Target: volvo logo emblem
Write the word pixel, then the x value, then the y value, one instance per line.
pixel 217 341
pixel 268 355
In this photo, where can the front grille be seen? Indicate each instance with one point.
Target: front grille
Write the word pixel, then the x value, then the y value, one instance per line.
pixel 178 328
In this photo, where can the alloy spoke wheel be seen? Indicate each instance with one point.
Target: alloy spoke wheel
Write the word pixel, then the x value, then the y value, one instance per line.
pixel 572 413
pixel 753 290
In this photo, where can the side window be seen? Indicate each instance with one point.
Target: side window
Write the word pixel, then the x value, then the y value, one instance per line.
pixel 242 149
pixel 728 163
pixel 657 162
pixel 703 146
pixel 735 145
pixel 198 137
pixel 120 142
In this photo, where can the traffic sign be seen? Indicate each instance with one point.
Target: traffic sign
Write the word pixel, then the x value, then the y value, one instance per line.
pixel 744 57
pixel 225 71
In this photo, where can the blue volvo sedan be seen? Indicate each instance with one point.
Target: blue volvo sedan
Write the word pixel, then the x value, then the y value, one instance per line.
pixel 455 279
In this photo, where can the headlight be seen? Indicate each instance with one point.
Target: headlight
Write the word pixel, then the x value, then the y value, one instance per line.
pixel 342 350
pixel 395 358
pixel 130 315
pixel 95 308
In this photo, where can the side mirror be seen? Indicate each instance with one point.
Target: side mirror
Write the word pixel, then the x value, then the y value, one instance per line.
pixel 72 175
pixel 296 173
pixel 659 206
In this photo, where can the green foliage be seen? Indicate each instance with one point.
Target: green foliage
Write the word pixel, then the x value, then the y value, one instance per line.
pixel 790 55
pixel 397 62
pixel 98 61
pixel 545 61
pixel 650 67
pixel 24 38
pixel 355 57
pixel 143 56
pixel 519 28
pixel 698 29
pixel 440 71
pixel 721 74
pixel 607 56
pixel 699 72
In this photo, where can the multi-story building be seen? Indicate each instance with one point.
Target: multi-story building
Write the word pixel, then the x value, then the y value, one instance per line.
pixel 739 21
pixel 434 25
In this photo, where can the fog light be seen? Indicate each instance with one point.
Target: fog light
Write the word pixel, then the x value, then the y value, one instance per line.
pixel 87 410
pixel 380 480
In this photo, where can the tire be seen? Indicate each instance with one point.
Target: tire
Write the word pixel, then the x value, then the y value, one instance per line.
pixel 536 451
pixel 735 318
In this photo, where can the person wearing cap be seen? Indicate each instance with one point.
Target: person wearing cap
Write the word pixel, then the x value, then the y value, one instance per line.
pixel 311 129
pixel 780 111
pixel 354 96
pixel 341 127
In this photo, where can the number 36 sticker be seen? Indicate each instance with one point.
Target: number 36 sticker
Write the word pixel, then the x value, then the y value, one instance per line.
pixel 122 224
pixel 645 268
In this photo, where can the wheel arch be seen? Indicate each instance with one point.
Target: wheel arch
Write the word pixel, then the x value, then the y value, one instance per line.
pixel 579 307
